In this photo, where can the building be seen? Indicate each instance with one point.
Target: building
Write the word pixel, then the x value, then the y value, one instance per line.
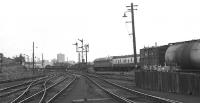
pixel 153 56
pixel 60 58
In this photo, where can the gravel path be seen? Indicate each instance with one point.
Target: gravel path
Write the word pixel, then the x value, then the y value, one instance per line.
pixel 83 89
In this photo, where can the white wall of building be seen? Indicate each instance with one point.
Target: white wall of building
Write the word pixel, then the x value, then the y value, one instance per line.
pixel 60 58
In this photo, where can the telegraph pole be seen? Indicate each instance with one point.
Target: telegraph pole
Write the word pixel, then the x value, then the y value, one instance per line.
pixel 133 31
pixel 1 61
pixel 42 61
pixel 28 62
pixel 86 55
pixel 33 57
pixel 86 50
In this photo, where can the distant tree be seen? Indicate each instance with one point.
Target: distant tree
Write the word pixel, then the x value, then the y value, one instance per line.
pixel 19 59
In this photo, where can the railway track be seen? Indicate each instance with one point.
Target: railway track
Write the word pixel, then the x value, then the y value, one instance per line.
pixel 49 95
pixel 9 85
pixel 11 93
pixel 118 77
pixel 26 92
pixel 17 88
pixel 15 82
pixel 20 79
pixel 48 92
pixel 126 95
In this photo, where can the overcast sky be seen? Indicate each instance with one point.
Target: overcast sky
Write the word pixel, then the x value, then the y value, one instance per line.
pixel 54 25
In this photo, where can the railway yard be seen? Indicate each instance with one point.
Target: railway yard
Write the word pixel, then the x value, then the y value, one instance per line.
pixel 83 87
pixel 95 61
pixel 160 75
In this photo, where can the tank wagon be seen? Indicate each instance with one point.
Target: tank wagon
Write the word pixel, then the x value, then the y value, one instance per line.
pixel 184 54
pixel 181 55
pixel 115 63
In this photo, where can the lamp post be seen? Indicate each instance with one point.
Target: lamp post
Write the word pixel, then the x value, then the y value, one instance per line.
pixel 33 57
pixel 86 50
pixel 42 61
pixel 133 30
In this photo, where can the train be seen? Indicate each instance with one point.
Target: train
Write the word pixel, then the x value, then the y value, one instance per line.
pixel 182 55
pixel 115 63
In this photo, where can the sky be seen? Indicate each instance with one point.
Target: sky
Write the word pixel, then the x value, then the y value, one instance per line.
pixel 54 25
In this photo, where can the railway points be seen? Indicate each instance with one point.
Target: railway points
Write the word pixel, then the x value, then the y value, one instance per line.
pixel 16 93
pixel 35 95
pixel 15 88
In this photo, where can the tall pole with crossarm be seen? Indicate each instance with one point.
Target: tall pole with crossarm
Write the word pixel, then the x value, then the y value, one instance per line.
pixel 133 31
pixel 33 57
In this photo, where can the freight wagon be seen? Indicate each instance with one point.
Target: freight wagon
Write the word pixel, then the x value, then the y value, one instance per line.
pixel 179 55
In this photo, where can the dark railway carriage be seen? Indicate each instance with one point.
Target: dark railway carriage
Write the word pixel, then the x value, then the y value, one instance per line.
pixel 103 64
pixel 115 63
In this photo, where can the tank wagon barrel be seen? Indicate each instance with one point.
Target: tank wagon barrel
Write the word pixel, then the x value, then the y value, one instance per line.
pixel 186 55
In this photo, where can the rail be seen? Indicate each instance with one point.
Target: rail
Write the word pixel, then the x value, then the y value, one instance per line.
pixel 119 98
pixel 151 97
pixel 40 92
pixel 15 86
pixel 27 89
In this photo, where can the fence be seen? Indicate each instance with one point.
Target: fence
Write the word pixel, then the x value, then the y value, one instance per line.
pixel 183 83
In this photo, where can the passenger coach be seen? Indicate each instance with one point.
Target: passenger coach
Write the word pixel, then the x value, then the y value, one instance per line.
pixel 115 63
